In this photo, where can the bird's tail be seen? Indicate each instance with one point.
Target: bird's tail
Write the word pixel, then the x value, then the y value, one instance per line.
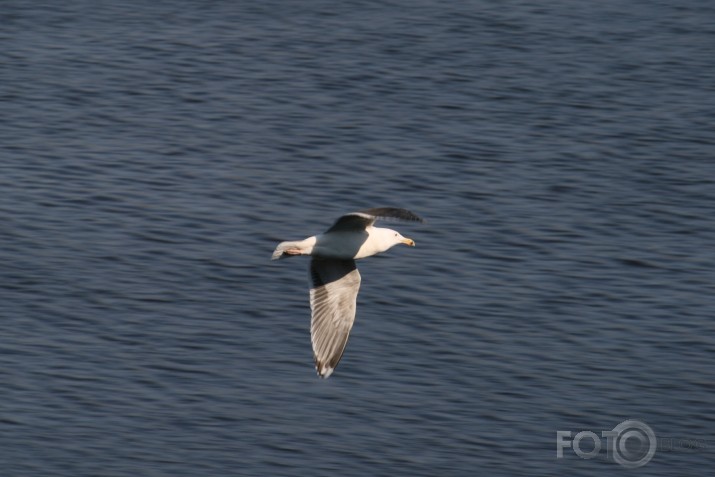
pixel 281 250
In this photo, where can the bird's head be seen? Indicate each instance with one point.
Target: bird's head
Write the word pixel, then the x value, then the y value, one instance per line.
pixel 389 238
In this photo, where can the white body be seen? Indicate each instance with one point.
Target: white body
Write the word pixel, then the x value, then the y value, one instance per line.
pixel 343 244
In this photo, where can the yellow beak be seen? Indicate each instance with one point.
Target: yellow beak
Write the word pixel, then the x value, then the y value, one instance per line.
pixel 409 242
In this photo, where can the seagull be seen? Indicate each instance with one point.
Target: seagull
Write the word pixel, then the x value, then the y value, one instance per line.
pixel 335 279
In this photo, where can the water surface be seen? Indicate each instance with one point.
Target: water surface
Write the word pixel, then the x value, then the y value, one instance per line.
pixel 151 156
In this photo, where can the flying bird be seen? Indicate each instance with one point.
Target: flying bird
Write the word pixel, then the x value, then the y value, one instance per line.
pixel 335 279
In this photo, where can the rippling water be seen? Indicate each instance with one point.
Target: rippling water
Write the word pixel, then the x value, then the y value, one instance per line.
pixel 151 156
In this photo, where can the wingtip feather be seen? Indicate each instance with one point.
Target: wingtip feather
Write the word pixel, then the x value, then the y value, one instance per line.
pixel 324 371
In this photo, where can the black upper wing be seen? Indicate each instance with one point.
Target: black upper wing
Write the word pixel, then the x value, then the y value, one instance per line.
pixel 392 213
pixel 363 218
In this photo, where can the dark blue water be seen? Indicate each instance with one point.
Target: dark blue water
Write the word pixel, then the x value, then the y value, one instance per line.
pixel 152 155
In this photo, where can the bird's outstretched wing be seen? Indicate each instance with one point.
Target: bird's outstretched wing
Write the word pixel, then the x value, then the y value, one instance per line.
pixel 333 297
pixel 364 218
